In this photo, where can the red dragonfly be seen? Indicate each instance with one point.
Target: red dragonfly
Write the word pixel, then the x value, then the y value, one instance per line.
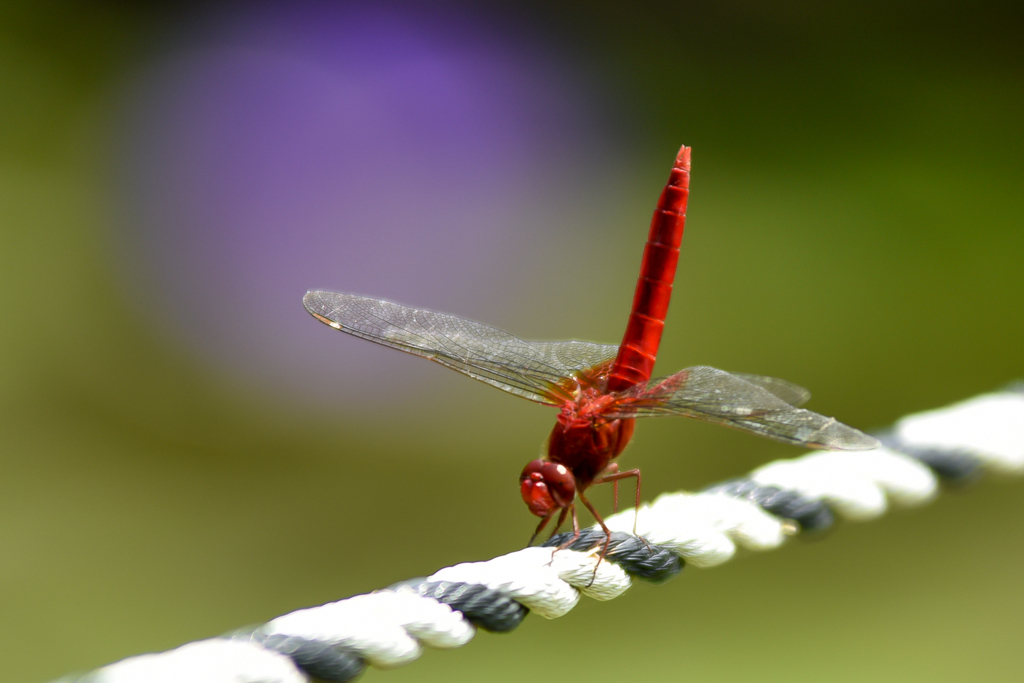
pixel 599 389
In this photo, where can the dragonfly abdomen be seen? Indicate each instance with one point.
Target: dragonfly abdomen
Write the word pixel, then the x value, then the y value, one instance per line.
pixel 635 361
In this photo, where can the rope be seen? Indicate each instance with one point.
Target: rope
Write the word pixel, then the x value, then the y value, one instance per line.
pixel 390 627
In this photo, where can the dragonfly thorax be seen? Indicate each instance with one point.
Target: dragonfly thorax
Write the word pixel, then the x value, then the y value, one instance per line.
pixel 587 443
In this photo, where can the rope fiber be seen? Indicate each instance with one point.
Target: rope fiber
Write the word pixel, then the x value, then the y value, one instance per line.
pixel 388 628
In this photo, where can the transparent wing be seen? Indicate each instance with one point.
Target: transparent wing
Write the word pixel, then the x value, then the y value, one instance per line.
pixel 790 393
pixel 745 402
pixel 532 370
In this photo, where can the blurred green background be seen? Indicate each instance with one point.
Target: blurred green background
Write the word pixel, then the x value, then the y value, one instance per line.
pixel 184 451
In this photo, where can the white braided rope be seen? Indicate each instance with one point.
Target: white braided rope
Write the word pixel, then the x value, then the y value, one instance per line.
pixel 205 661
pixel 389 628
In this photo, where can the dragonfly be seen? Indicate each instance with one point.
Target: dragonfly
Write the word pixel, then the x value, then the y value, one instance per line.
pixel 599 389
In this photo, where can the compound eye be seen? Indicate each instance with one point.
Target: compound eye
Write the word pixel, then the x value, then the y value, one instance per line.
pixel 534 491
pixel 533 470
pixel 561 483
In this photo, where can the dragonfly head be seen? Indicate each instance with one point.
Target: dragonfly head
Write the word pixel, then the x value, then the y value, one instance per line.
pixel 546 486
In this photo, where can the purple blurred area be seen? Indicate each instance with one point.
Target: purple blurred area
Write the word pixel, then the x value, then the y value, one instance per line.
pixel 268 151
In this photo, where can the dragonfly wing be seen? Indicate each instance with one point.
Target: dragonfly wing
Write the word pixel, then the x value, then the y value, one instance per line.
pixel 532 370
pixel 717 396
pixel 790 393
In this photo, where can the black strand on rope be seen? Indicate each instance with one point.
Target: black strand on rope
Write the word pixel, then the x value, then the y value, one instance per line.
pixel 484 607
pixel 637 558
pixel 322 661
pixel 809 513
pixel 952 465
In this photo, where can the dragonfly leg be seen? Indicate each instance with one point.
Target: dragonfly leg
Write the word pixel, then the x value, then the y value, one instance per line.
pixel 544 523
pixel 613 475
pixel 604 527
pixel 575 527
pixel 561 520
pixel 610 470
pixel 563 513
